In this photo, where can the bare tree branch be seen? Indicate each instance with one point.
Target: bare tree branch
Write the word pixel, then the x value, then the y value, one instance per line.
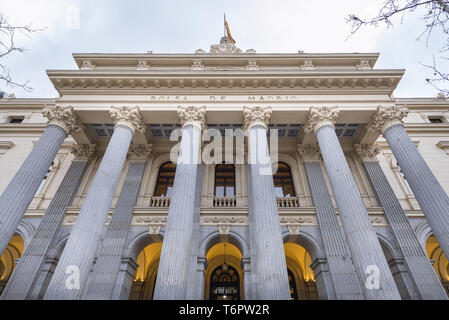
pixel 8 47
pixel 436 19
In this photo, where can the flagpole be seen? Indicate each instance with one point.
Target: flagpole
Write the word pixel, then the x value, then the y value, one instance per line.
pixel 224 27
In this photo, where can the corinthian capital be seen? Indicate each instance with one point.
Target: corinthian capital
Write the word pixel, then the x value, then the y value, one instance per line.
pixel 63 117
pixel 386 117
pixel 319 117
pixel 83 152
pixel 256 116
pixel 367 152
pixel 140 152
pixel 128 116
pixel 192 115
pixel 308 152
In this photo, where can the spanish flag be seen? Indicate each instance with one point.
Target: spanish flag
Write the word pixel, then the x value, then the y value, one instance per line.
pixel 228 31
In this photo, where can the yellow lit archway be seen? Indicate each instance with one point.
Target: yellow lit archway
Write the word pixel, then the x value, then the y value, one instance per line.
pixel 146 272
pixel 8 259
pixel 224 276
pixel 301 276
pixel 440 262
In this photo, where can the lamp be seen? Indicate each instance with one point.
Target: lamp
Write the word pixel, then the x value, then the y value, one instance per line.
pixel 224 267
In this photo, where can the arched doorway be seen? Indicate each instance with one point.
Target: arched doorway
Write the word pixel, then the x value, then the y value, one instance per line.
pixel 224 276
pixel 8 260
pixel 301 277
pixel 146 272
pixel 439 260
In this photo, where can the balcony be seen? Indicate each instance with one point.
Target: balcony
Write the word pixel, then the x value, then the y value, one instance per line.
pixel 287 202
pixel 224 202
pixel 160 202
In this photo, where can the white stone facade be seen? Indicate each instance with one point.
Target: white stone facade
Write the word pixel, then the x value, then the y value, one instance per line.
pixel 223 84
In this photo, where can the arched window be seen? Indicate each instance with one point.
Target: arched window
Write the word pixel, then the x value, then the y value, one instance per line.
pixel 224 283
pixel 224 180
pixel 283 181
pixel 165 178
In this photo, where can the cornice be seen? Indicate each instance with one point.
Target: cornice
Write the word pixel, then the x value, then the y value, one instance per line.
pixel 22 128
pixel 132 58
pixel 82 82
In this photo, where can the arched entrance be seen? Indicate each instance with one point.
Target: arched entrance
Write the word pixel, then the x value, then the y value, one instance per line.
pixel 8 260
pixel 301 277
pixel 224 276
pixel 439 260
pixel 146 273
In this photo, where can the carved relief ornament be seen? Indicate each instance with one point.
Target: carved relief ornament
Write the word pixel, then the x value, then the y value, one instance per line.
pixel 83 152
pixel 140 152
pixel 367 152
pixel 63 117
pixel 192 115
pixel 308 152
pixel 256 116
pixel 386 117
pixel 129 117
pixel 319 117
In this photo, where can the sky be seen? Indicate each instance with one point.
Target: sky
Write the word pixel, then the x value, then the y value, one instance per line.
pixel 175 26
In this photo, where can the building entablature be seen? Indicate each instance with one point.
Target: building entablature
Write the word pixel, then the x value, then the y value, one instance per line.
pixel 68 82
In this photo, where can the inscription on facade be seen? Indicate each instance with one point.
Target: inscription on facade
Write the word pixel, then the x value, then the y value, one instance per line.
pixel 181 98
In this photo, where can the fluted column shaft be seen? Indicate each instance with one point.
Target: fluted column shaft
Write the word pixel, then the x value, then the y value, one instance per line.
pixel 345 281
pixel 271 266
pixel 107 265
pixel 363 244
pixel 175 257
pixel 193 282
pixel 19 193
pixel 422 272
pixel 431 197
pixel 82 245
pixel 21 281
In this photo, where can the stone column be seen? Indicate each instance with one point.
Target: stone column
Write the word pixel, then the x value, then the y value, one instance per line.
pixel 201 267
pixel 192 284
pixel 172 277
pixel 21 190
pixel 270 263
pixel 367 256
pixel 102 280
pixel 422 272
pixel 431 197
pixel 247 281
pixel 345 281
pixel 77 258
pixel 22 279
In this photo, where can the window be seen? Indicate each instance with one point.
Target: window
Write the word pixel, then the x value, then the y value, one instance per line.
pixel 283 181
pixel 45 178
pixel 16 119
pixel 224 284
pixel 435 120
pixel 165 178
pixel 224 180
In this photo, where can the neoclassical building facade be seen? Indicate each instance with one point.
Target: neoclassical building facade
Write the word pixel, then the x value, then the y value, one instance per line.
pixel 224 175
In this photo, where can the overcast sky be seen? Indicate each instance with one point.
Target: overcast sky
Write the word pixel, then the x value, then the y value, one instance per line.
pixel 174 26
